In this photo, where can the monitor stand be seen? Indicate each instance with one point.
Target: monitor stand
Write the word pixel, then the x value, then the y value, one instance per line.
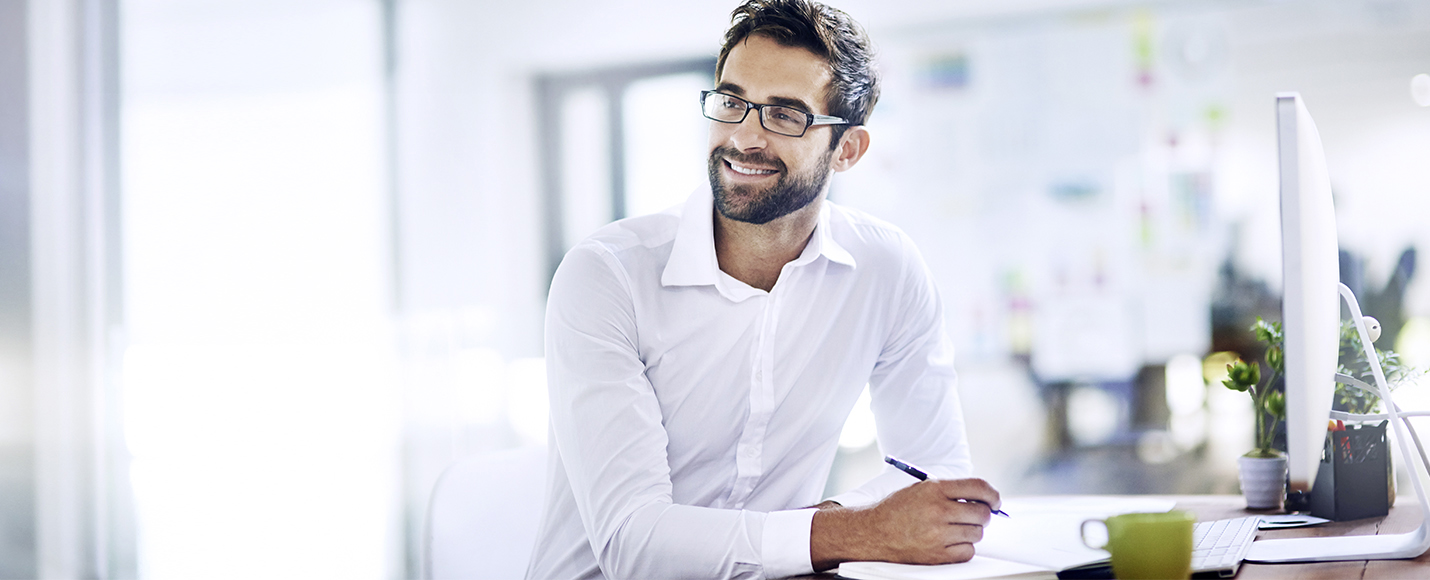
pixel 1377 547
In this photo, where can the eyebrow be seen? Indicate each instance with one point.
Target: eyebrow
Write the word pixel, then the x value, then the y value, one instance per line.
pixel 734 89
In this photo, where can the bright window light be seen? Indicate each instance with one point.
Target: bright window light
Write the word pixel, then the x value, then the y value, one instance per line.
pixel 259 385
pixel 480 374
pixel 666 137
pixel 526 399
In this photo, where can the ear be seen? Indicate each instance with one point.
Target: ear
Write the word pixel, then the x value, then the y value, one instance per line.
pixel 851 148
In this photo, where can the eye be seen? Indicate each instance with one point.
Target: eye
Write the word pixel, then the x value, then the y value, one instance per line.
pixel 786 116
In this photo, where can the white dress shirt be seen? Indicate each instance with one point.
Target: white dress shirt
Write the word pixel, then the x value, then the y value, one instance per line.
pixel 693 416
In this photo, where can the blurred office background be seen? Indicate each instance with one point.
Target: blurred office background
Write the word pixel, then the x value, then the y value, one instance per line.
pixel 267 267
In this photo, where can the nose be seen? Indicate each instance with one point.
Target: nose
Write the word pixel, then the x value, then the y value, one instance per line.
pixel 748 135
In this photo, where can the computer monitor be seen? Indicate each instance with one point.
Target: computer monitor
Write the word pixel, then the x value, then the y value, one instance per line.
pixel 1310 306
pixel 1311 321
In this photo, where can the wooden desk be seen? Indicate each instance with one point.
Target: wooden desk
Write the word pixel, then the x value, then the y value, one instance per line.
pixel 1404 517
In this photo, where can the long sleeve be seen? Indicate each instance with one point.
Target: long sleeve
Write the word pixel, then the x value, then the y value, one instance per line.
pixel 694 417
pixel 608 429
pixel 913 391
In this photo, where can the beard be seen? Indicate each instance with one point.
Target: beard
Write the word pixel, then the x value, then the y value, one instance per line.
pixel 791 193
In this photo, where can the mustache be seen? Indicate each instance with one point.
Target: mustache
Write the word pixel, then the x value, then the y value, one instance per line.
pixel 760 158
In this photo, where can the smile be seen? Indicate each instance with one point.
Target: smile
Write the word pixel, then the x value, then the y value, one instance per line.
pixel 743 170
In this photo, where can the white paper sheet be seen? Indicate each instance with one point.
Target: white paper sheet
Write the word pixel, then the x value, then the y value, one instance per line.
pixel 977 568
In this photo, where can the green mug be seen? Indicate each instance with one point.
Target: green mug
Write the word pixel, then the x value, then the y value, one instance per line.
pixel 1149 546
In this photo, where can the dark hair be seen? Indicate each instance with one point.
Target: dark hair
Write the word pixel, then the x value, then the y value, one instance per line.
pixel 828 33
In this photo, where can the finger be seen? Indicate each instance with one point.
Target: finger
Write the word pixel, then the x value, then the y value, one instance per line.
pixel 959 553
pixel 965 513
pixel 963 534
pixel 971 488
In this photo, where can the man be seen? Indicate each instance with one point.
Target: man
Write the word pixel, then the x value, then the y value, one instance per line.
pixel 702 361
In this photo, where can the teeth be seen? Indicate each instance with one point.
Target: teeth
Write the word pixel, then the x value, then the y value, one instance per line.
pixel 749 171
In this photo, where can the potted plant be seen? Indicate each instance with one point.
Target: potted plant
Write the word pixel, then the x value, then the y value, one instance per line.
pixel 1263 469
pixel 1357 462
pixel 1339 492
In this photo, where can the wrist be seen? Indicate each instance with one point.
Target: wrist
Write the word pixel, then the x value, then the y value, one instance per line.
pixel 834 536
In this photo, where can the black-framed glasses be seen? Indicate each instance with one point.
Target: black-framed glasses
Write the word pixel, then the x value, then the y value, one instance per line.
pixel 779 119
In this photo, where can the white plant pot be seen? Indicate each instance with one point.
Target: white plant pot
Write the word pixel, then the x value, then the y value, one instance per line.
pixel 1263 481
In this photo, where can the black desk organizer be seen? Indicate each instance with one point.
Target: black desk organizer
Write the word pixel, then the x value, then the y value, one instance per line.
pixel 1355 477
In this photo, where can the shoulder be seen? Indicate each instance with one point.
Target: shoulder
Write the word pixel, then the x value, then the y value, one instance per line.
pixel 623 248
pixel 621 236
pixel 629 238
pixel 865 236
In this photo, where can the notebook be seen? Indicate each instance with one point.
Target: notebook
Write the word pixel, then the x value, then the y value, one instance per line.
pixel 1042 538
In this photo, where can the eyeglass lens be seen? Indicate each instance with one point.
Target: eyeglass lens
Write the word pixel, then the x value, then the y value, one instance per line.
pixel 782 120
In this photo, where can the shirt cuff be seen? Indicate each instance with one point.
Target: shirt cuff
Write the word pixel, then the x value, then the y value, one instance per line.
pixel 785 543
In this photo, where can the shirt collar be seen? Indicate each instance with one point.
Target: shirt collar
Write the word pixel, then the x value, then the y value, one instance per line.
pixel 823 244
pixel 692 256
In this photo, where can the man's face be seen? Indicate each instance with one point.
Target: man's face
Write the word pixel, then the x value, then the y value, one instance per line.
pixel 756 175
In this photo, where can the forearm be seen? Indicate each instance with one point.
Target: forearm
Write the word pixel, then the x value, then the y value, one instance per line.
pixel 679 541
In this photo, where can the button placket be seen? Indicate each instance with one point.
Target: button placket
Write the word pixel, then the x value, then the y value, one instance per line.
pixel 748 460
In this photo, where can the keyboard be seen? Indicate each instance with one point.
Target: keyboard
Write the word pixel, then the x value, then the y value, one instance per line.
pixel 1220 545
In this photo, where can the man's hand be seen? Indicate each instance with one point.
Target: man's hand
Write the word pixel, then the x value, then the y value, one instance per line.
pixel 920 524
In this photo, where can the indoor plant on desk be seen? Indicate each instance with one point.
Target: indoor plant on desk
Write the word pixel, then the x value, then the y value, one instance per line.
pixel 1356 465
pixel 1345 487
pixel 1263 469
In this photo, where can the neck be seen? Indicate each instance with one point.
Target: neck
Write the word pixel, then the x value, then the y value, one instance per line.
pixel 755 253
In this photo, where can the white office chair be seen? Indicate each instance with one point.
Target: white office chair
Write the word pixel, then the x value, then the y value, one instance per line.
pixel 483 514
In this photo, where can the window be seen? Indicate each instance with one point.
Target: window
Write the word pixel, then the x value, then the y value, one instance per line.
pixel 259 380
pixel 618 142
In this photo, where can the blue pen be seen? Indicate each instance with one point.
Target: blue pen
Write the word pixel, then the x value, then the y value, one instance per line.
pixel 916 472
